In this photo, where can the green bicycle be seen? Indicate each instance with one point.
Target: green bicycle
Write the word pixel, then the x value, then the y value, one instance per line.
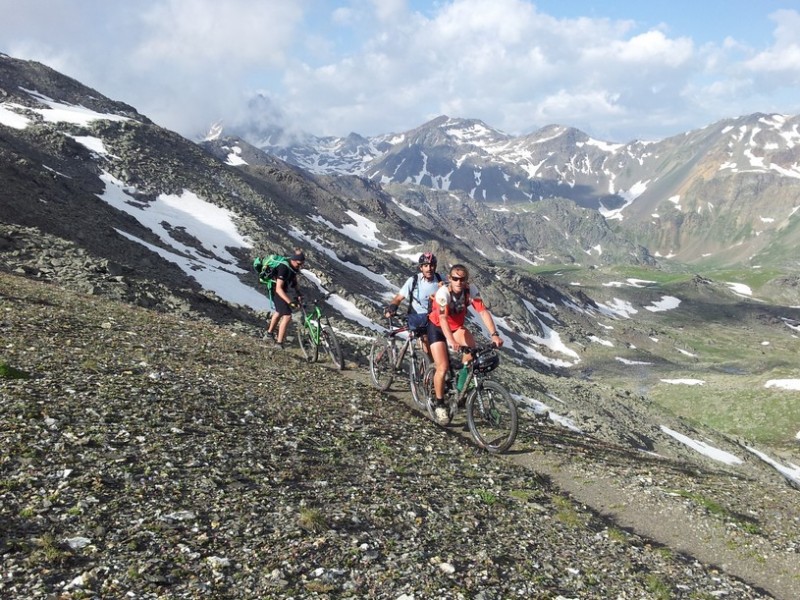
pixel 491 411
pixel 312 334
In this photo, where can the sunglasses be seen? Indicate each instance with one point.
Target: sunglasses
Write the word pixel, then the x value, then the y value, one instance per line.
pixel 458 278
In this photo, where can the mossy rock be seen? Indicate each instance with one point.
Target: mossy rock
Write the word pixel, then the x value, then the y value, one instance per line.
pixel 9 372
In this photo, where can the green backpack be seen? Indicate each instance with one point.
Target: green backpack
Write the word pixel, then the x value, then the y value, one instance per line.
pixel 266 267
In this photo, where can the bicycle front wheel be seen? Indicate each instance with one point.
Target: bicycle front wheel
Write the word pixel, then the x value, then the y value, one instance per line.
pixel 416 373
pixel 307 346
pixel 331 345
pixel 492 417
pixel 381 363
pixel 429 397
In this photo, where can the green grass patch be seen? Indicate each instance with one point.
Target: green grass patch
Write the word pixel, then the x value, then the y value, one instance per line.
pixel 486 496
pixel 658 588
pixel 9 372
pixel 566 512
pixel 312 520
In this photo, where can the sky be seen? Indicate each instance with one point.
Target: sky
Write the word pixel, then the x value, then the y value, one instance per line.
pixel 619 70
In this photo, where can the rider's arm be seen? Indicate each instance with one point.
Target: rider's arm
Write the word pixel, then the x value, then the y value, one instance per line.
pixel 280 290
pixel 401 295
pixel 488 320
pixel 396 301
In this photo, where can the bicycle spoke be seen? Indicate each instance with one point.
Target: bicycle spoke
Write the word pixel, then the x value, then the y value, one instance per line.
pixel 307 346
pixel 331 345
pixel 418 366
pixel 429 392
pixel 381 363
pixel 492 417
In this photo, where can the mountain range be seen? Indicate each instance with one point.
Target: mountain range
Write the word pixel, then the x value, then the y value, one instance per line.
pixel 80 166
pixel 647 293
pixel 721 195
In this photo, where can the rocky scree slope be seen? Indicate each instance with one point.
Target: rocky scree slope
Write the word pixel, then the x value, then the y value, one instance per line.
pixel 173 456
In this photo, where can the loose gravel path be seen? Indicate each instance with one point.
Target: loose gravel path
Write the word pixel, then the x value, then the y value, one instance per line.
pixel 156 456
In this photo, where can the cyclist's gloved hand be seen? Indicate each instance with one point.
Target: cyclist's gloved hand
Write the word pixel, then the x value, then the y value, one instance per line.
pixel 293 305
pixel 391 309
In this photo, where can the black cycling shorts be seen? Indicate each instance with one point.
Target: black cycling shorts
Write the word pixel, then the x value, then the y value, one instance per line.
pixel 435 334
pixel 281 307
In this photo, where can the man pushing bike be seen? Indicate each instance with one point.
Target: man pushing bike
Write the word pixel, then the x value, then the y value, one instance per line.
pixel 419 288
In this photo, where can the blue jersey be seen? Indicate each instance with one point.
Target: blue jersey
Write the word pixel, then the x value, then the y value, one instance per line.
pixel 422 292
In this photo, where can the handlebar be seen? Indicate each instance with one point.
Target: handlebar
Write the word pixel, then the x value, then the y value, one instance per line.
pixel 395 326
pixel 479 349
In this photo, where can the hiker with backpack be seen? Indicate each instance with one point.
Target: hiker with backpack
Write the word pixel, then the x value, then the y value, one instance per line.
pixel 419 289
pixel 279 273
pixel 446 330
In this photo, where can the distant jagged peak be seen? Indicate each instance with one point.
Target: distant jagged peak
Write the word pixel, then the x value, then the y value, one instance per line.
pixel 214 132
pixel 456 131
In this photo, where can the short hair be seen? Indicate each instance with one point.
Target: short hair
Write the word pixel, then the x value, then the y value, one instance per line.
pixel 299 255
pixel 462 268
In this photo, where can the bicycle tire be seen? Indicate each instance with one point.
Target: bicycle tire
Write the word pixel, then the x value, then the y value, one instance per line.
pixel 381 363
pixel 492 417
pixel 430 398
pixel 307 346
pixel 331 344
pixel 416 374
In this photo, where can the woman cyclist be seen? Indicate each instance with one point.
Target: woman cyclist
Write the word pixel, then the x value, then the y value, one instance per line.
pixel 446 328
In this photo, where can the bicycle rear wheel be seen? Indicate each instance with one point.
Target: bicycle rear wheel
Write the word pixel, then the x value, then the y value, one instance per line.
pixel 307 346
pixel 381 363
pixel 418 366
pixel 492 417
pixel 331 345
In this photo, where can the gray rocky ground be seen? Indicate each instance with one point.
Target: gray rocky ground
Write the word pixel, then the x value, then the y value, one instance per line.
pixel 159 453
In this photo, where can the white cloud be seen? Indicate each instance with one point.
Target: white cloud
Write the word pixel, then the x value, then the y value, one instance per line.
pixel 380 66
pixel 207 34
pixel 783 57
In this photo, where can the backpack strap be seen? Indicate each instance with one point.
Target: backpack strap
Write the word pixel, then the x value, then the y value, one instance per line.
pixel 411 293
pixel 414 287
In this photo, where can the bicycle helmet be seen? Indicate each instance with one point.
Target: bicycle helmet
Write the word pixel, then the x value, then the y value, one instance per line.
pixel 486 361
pixel 427 258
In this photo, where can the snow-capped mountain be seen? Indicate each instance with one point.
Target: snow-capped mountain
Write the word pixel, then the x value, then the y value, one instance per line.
pixel 694 196
pixel 189 216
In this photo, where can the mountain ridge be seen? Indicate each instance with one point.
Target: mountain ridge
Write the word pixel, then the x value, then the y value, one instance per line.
pixel 660 193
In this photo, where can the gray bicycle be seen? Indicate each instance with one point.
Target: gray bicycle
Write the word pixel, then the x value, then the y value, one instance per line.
pixel 395 353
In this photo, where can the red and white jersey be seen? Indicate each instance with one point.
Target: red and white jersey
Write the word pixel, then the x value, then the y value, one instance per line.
pixel 454 306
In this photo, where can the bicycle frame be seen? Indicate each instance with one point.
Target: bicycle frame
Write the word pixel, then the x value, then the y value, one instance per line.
pixel 388 354
pixel 313 322
pixel 315 332
pixel 492 416
pixel 395 334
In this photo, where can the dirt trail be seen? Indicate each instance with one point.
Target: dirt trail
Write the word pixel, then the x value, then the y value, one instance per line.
pixel 664 519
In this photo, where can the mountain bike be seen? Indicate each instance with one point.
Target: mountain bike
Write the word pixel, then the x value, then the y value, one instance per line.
pixel 395 352
pixel 312 334
pixel 492 415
